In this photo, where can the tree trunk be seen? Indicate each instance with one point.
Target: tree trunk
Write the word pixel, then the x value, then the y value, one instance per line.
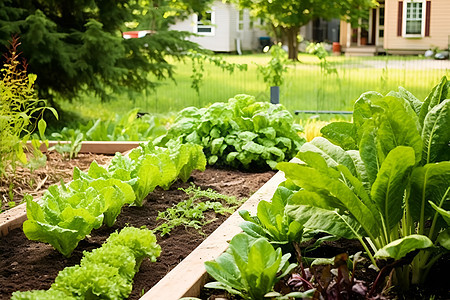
pixel 291 34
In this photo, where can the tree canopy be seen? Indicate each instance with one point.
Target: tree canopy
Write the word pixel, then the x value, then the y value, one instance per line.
pixel 77 45
pixel 290 15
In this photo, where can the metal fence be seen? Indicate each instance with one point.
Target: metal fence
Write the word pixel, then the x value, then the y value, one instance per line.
pixel 311 86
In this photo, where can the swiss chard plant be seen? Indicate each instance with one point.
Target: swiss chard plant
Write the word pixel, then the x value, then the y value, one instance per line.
pixel 106 272
pixel 241 133
pixel 249 268
pixel 271 222
pixel 383 179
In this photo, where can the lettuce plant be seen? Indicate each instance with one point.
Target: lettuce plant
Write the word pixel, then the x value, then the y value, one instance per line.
pixel 271 221
pixel 249 268
pixel 384 181
pixel 241 133
pixel 104 273
pixel 147 167
pixel 67 213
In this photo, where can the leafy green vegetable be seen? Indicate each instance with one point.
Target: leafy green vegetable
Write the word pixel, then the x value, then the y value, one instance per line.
pixel 66 214
pixel 92 280
pixel 271 222
pixel 384 180
pixel 41 295
pixel 249 268
pixel 241 133
pixel 130 126
pixel 104 273
pixel 73 141
pixel 64 218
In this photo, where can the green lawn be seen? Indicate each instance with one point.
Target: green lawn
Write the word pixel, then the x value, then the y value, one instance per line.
pixel 305 87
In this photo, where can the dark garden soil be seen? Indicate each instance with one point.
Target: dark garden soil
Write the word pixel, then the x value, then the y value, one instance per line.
pixel 26 265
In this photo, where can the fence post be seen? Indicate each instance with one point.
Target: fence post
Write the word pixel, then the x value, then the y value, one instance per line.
pixel 275 94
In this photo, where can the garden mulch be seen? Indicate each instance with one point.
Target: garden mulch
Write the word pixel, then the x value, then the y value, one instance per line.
pixel 26 265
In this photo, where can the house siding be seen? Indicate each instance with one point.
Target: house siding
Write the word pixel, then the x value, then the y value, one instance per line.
pixel 226 30
pixel 438 35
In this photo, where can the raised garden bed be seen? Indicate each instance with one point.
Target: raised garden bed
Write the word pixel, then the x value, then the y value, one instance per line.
pixel 29 265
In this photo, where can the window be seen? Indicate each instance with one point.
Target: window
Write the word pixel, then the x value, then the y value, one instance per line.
pixel 204 23
pixel 414 18
pixel 241 20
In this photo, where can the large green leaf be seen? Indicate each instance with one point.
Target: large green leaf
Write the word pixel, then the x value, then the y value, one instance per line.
pixel 398 126
pixel 342 134
pixel 429 183
pixel 324 220
pixel 415 103
pixel 361 171
pixel 363 108
pixel 393 124
pixel 389 187
pixel 436 133
pixel 399 248
pixel 368 150
pixel 333 155
pixel 261 269
pixel 437 94
pixel 225 270
pixel 444 239
pixel 315 181
pixel 444 213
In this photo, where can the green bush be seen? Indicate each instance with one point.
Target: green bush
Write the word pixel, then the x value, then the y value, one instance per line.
pixel 241 133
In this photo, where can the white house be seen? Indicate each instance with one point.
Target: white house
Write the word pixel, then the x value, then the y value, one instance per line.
pixel 224 28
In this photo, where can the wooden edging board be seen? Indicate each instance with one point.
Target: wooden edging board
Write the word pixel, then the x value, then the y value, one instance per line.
pixel 100 147
pixel 188 277
pixel 14 217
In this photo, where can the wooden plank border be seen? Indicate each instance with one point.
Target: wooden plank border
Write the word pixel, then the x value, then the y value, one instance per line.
pixel 188 277
pixel 100 147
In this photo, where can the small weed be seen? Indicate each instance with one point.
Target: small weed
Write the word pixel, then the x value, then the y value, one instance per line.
pixel 197 193
pixel 191 212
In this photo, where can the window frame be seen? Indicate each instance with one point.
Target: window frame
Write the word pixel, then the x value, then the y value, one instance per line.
pixel 211 25
pixel 240 21
pixel 423 19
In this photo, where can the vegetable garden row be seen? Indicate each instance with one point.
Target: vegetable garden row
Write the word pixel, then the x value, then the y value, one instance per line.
pixel 383 180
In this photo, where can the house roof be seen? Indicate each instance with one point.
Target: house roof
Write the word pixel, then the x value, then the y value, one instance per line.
pixel 136 34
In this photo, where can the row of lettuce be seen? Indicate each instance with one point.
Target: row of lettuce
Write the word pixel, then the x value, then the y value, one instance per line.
pixel 383 179
pixel 104 273
pixel 243 133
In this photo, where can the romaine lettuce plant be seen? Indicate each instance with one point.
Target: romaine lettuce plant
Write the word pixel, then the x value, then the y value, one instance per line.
pixel 241 133
pixel 249 268
pixel 147 167
pixel 104 273
pixel 384 181
pixel 67 213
